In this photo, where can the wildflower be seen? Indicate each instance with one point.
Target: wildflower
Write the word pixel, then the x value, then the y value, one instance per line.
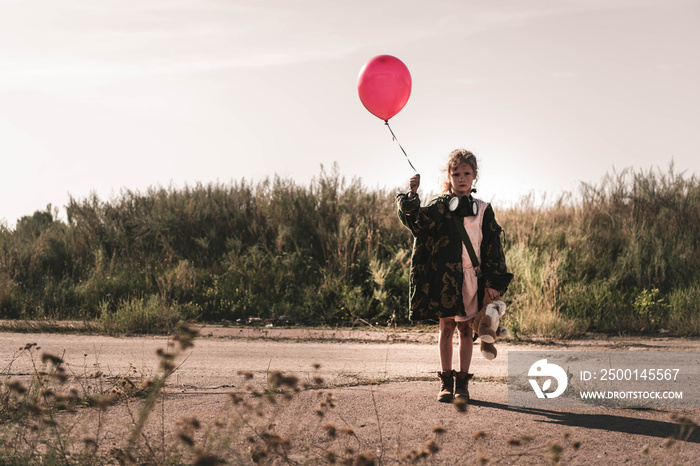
pixel 257 454
pixel 365 459
pixel 683 420
pixel 276 440
pixel 555 450
pixel 60 375
pixel 192 422
pixel 460 405
pixel 55 360
pixel 277 379
pixel 330 457
pixel 412 457
pixel 439 430
pixel 146 384
pixel 185 336
pixel 432 446
pixel 90 443
pixel 330 429
pixel 127 384
pixel 186 439
pixel 167 366
pixel 104 402
pixel 17 386
pixel 35 409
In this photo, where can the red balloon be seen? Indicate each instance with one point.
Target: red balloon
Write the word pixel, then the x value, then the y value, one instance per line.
pixel 384 85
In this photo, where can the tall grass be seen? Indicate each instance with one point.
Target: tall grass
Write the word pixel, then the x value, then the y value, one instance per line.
pixel 317 253
pixel 619 256
pixel 623 257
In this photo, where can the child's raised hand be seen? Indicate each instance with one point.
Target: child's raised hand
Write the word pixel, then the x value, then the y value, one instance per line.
pixel 414 183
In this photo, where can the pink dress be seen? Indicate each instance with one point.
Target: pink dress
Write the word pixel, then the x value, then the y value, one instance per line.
pixel 470 284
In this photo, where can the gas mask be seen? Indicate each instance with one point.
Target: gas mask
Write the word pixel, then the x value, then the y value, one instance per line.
pixel 464 206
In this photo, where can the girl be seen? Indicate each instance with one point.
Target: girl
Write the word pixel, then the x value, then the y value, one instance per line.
pixel 444 283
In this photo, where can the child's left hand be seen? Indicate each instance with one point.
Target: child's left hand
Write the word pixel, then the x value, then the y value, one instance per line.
pixel 493 294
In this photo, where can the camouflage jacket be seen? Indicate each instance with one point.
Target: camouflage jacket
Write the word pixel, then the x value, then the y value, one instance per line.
pixel 436 263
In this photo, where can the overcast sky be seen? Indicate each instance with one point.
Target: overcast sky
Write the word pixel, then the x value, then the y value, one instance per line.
pixel 112 94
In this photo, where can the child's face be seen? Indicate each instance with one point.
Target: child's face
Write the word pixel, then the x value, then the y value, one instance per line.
pixel 462 176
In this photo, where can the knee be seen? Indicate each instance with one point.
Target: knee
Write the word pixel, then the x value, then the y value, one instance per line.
pixel 465 331
pixel 447 327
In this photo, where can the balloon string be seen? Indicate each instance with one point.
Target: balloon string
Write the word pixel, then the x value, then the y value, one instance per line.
pixel 397 142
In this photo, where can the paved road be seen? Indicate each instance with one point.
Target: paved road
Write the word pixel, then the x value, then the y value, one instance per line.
pixel 392 417
pixel 346 356
pixel 214 361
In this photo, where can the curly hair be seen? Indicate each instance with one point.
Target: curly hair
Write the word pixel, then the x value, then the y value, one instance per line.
pixel 454 160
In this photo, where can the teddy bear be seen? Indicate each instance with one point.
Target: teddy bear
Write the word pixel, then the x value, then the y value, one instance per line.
pixel 485 326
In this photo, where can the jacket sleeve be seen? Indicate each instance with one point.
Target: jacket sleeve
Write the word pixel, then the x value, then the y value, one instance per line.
pixel 493 260
pixel 419 219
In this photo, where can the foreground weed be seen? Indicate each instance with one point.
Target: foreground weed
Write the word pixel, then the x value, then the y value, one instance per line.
pixel 37 412
pixel 686 426
pixel 181 341
pixel 30 409
pixel 258 429
pixel 254 428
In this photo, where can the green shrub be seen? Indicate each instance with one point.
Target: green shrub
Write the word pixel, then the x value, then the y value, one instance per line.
pixel 613 257
pixel 684 317
pixel 139 315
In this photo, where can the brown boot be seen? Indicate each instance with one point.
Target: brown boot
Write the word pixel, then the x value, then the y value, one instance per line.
pixel 447 382
pixel 462 385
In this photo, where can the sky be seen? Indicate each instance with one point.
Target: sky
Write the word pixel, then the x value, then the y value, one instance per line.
pixel 103 96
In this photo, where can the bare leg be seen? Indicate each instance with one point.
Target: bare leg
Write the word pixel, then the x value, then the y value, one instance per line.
pixel 466 346
pixel 447 330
